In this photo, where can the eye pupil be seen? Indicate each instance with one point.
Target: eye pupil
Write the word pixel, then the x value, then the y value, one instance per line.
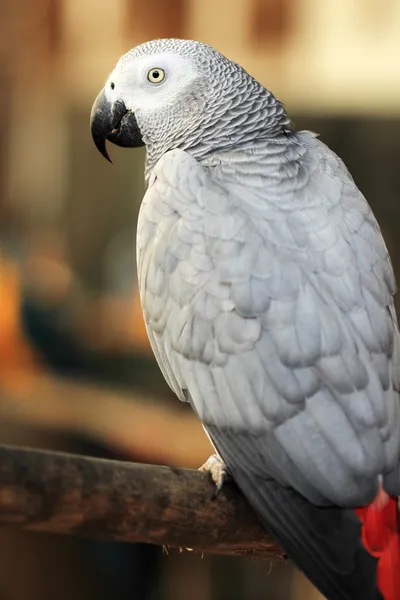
pixel 112 85
pixel 156 74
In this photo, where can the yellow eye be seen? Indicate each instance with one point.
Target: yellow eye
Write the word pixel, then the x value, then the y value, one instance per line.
pixel 156 75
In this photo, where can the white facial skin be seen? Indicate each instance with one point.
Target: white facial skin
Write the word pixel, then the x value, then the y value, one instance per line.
pixel 179 90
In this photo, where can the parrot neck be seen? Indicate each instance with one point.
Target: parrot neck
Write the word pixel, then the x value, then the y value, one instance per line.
pixel 227 130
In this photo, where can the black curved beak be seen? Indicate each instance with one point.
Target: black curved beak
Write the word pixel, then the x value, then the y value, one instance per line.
pixel 112 121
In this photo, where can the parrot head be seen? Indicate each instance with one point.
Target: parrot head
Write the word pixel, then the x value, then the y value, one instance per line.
pixel 172 93
pixel 157 91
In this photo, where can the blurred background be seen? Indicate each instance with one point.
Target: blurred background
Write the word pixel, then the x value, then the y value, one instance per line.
pixel 76 372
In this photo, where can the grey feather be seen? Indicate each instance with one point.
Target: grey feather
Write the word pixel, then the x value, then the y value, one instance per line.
pixel 297 343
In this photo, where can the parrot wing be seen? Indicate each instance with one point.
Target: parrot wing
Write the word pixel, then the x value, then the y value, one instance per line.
pixel 274 317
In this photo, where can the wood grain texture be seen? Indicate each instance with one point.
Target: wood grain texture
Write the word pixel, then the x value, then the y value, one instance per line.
pixel 103 499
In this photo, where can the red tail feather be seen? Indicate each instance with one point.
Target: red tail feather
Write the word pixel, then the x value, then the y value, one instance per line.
pixel 381 537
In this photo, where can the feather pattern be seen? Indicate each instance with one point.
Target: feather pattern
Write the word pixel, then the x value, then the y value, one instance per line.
pixel 271 302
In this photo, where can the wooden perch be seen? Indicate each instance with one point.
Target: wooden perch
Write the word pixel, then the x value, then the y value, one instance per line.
pixel 112 500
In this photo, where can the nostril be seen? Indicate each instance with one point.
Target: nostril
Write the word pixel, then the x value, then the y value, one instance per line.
pixel 112 85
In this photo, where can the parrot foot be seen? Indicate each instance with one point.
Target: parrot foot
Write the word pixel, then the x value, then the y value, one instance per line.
pixel 218 470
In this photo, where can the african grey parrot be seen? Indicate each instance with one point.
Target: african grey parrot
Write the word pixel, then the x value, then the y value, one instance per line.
pixel 267 292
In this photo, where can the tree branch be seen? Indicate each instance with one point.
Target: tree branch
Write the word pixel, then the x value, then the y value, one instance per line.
pixel 112 500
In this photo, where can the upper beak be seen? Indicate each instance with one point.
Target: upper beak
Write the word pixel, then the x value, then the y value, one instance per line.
pixel 114 122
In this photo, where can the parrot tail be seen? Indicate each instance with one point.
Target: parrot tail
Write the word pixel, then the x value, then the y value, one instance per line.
pixel 380 535
pixel 347 554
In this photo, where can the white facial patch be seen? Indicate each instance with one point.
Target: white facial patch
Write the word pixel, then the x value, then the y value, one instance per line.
pixel 132 82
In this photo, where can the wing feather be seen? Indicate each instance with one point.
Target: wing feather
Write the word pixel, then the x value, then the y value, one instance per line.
pixel 278 319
